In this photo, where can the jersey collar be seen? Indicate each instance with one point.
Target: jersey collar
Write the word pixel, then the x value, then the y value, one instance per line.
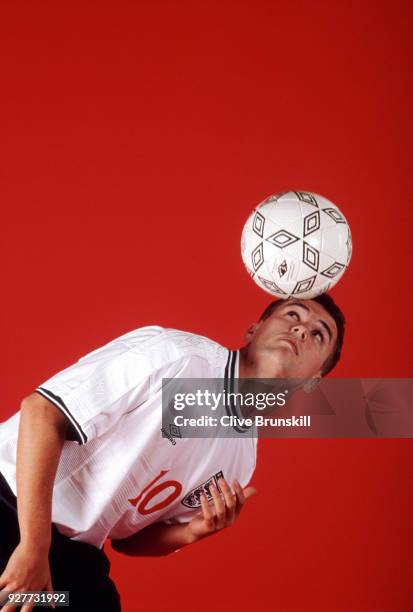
pixel 231 385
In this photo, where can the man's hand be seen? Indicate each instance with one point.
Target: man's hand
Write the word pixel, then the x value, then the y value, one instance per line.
pixel 27 570
pixel 161 539
pixel 222 512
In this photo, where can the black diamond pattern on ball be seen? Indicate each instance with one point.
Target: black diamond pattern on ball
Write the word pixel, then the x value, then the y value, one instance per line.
pixel 282 268
pixel 311 256
pixel 308 198
pixel 271 285
pixel 257 257
pixel 335 215
pixel 304 285
pixel 258 224
pixel 311 223
pixel 333 270
pixel 282 238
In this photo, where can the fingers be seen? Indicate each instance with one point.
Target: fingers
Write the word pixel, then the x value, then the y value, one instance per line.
pixel 230 501
pixel 207 512
pixel 249 491
pixel 219 507
pixel 226 504
pixel 12 607
pixel 242 495
pixel 49 587
pixel 4 598
pixel 9 608
pixel 239 493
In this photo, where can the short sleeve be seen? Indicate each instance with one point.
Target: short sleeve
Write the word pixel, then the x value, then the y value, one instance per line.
pixel 105 384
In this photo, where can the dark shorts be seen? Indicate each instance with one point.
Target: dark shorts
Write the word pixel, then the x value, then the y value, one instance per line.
pixel 77 567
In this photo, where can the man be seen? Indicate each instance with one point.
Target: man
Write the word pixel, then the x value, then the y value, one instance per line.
pixel 91 460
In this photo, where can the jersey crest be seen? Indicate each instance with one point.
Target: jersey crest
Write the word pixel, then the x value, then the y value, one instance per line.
pixel 192 500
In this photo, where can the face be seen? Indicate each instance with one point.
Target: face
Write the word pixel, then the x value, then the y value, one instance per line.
pixel 293 342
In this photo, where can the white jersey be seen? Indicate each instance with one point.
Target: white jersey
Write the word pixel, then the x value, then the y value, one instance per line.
pixel 117 473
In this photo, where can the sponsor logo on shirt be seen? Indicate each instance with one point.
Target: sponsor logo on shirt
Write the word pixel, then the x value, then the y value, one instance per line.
pixel 174 432
pixel 192 500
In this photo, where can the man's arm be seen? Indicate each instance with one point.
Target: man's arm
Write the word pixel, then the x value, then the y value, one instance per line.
pixel 155 540
pixel 161 539
pixel 41 436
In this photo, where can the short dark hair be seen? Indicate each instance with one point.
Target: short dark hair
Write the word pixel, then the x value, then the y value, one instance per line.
pixel 327 302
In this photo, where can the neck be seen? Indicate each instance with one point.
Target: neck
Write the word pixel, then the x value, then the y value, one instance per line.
pixel 274 383
pixel 246 369
pixel 250 368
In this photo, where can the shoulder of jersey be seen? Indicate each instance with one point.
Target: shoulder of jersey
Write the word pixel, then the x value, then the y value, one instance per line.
pixel 162 345
pixel 172 342
pixel 188 343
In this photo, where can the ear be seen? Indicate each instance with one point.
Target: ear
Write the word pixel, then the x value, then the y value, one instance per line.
pixel 312 384
pixel 251 331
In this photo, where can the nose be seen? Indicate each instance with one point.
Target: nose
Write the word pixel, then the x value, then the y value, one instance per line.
pixel 300 332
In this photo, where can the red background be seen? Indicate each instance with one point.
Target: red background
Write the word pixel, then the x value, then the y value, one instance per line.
pixel 136 139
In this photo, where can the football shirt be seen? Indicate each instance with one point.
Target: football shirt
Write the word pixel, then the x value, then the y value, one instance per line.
pixel 117 472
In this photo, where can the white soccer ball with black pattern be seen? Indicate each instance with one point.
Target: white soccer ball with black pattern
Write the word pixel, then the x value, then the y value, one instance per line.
pixel 296 244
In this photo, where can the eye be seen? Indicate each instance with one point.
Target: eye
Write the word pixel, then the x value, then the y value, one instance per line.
pixel 293 314
pixel 317 333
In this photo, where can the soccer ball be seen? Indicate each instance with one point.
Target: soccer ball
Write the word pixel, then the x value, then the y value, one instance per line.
pixel 296 244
